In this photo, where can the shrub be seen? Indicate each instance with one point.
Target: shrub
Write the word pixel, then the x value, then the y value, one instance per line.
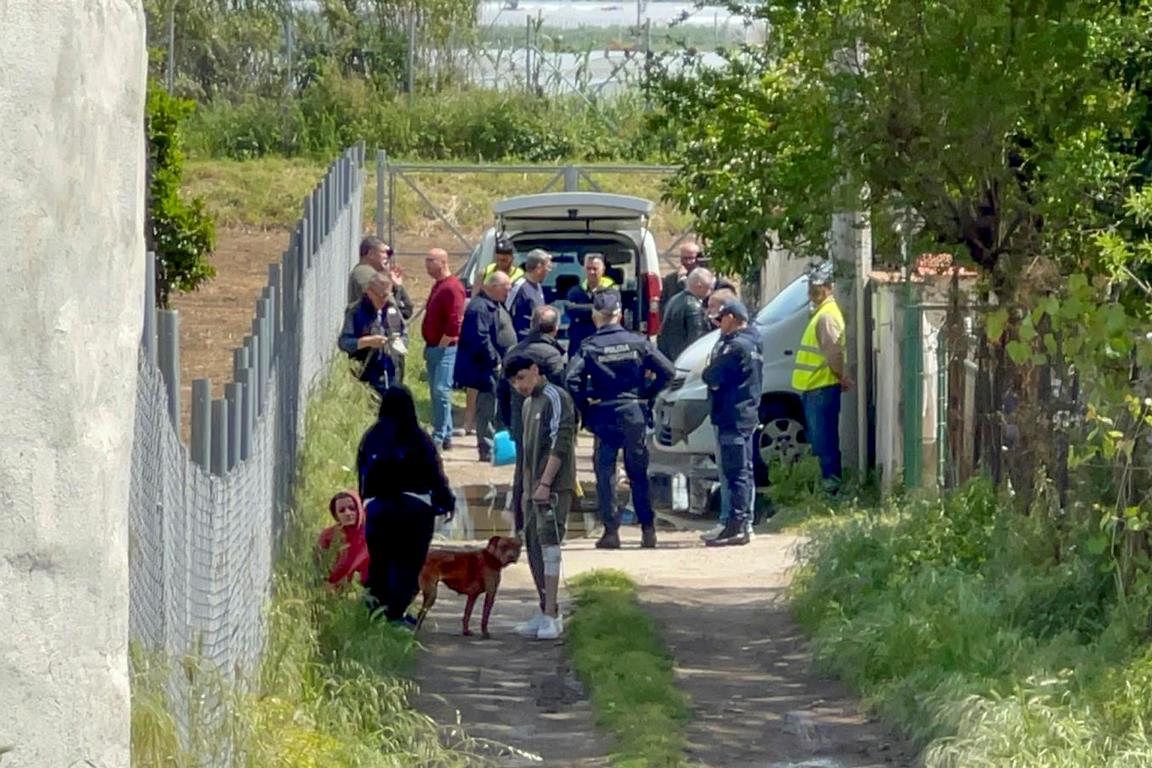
pixel 182 233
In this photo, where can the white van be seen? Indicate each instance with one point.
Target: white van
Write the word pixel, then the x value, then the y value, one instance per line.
pixel 684 442
pixel 570 225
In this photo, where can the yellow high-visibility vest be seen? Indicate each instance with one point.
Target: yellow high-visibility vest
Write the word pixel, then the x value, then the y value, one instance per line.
pixel 812 371
pixel 513 276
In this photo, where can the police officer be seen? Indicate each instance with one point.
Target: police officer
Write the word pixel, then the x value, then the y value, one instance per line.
pixel 613 380
pixel 733 376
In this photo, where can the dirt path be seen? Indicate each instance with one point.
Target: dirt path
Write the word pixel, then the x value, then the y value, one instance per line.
pixel 756 700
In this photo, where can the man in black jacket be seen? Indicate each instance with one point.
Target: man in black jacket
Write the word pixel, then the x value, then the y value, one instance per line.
pixel 685 317
pixel 539 346
pixel 486 335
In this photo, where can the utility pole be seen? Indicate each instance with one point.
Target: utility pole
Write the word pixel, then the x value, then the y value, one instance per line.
pixel 851 249
pixel 170 64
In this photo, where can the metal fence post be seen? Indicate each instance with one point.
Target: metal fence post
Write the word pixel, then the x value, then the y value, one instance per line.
pixel 571 178
pixel 234 397
pixel 264 318
pixel 219 437
pixel 247 415
pixel 148 338
pixel 169 357
pixel 381 161
pixel 913 393
pixel 250 343
pixel 276 292
pixel 239 362
pixel 202 422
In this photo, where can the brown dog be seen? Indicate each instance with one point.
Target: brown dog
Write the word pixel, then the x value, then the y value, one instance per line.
pixel 468 573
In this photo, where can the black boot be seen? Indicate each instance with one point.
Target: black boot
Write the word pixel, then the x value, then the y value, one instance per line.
pixel 735 533
pixel 648 537
pixel 609 540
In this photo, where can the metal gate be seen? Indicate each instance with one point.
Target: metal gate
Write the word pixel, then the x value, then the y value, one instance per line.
pixel 568 178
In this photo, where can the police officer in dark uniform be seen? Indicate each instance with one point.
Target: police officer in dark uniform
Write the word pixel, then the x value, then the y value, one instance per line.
pixel 613 379
pixel 733 376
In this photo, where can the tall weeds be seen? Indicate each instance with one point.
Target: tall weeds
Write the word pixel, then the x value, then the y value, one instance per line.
pixel 957 621
pixel 331 689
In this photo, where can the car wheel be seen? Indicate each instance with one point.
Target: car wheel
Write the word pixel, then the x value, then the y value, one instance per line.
pixel 781 438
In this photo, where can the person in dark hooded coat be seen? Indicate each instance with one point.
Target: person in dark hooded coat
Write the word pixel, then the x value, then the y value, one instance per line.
pixel 403 484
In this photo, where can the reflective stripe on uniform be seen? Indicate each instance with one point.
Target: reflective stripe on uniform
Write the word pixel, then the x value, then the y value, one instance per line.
pixel 812 371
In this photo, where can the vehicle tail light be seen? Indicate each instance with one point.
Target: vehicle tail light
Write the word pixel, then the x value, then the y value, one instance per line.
pixel 652 283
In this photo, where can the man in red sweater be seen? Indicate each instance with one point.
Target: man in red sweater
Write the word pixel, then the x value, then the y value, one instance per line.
pixel 441 330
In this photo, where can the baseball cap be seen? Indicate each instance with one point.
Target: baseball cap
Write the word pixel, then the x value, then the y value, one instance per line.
pixel 820 274
pixel 733 307
pixel 606 301
pixel 504 245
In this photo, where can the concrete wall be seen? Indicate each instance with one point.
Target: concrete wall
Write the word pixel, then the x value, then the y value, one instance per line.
pixel 72 76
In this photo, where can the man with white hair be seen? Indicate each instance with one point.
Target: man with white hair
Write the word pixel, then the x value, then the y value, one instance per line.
pixel 486 335
pixel 685 317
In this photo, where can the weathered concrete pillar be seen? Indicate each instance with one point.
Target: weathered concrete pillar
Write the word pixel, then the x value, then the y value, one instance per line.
pixel 72 82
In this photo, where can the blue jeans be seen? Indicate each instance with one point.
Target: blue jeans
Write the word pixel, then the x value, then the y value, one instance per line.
pixel 610 439
pixel 822 412
pixel 440 361
pixel 734 458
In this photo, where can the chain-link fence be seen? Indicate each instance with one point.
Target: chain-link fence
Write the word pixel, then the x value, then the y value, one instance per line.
pixel 205 517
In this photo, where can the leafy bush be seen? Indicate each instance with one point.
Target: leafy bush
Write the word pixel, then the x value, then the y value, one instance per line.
pixel 476 125
pixel 182 232
pixel 990 645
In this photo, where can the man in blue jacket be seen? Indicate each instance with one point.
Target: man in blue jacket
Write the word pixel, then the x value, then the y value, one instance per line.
pixel 579 309
pixel 486 335
pixel 613 380
pixel 733 376
pixel 374 334
pixel 528 292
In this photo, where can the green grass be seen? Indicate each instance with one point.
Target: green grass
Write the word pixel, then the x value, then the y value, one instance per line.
pixel 992 638
pixel 331 690
pixel 618 653
pixel 267 193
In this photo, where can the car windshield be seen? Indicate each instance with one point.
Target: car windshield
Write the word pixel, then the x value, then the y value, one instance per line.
pixel 785 303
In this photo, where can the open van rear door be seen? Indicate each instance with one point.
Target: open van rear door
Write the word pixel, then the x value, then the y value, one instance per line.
pixel 589 211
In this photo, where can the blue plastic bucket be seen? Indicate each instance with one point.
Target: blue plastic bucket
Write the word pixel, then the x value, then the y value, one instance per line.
pixel 503 449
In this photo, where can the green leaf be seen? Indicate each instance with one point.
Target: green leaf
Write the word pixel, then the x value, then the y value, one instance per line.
pixel 1096 545
pixel 1018 351
pixel 994 325
pixel 1027 331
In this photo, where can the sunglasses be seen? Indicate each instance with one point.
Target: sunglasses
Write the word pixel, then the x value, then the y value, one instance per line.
pixel 389 252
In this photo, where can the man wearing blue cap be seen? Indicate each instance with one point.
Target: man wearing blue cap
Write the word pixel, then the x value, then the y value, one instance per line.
pixel 613 379
pixel 733 376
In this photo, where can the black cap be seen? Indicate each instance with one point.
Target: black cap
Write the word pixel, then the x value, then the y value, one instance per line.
pixel 733 307
pixel 504 245
pixel 606 301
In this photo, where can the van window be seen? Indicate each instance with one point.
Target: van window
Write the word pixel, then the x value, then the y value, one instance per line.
pixel 785 304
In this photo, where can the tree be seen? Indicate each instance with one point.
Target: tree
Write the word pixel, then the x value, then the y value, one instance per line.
pixel 1005 125
pixel 181 232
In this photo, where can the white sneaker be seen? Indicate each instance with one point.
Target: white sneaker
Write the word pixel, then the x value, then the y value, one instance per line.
pixel 552 628
pixel 532 626
pixel 712 532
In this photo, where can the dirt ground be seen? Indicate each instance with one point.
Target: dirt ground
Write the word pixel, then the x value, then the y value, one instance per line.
pixel 757 701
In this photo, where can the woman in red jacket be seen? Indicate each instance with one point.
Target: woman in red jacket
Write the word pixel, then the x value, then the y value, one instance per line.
pixel 348 511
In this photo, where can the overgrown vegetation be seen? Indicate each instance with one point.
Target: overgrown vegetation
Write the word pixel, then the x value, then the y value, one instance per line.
pixel 331 689
pixel 272 77
pixel 182 234
pixel 628 673
pixel 992 640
